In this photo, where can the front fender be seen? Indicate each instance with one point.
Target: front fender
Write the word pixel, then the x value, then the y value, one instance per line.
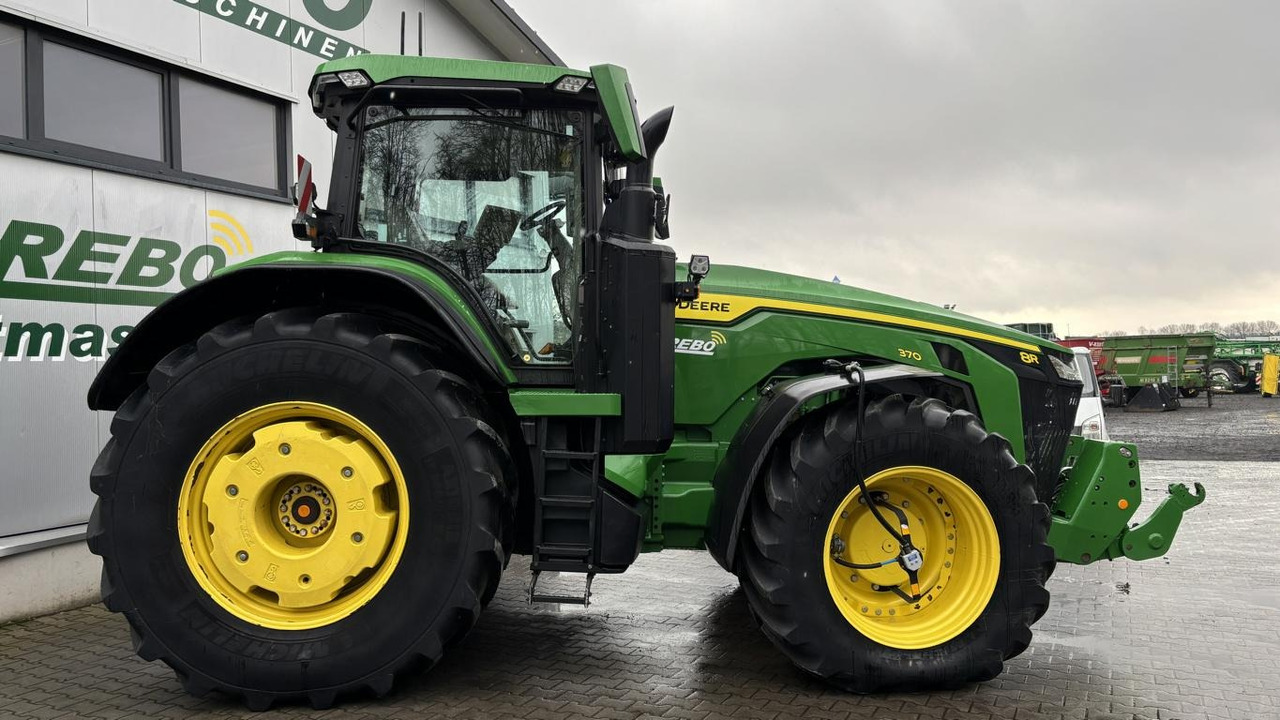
pixel 411 292
pixel 773 414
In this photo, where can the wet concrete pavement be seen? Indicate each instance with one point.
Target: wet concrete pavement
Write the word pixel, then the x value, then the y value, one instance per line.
pixel 1193 635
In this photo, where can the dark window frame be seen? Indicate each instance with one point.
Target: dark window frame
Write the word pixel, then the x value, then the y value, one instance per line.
pixel 26 131
pixel 36 144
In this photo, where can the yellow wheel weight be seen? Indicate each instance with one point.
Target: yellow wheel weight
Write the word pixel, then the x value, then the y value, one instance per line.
pixel 293 515
pixel 953 530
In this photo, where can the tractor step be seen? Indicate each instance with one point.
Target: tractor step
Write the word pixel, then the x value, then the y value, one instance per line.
pixel 567 463
pixel 567 502
pixel 568 455
pixel 583 600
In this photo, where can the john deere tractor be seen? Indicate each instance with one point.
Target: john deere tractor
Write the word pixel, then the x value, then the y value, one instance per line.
pixel 322 461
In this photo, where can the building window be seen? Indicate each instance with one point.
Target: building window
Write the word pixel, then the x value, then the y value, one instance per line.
pixel 100 103
pixel 13 106
pixel 69 99
pixel 227 134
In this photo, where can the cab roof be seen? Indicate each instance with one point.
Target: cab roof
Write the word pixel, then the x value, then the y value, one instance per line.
pixel 381 68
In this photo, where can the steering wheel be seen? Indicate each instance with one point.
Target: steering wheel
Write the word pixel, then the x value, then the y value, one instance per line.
pixel 540 216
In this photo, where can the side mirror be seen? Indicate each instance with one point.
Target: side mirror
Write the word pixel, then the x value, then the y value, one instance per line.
pixel 305 224
pixel 311 223
pixel 661 211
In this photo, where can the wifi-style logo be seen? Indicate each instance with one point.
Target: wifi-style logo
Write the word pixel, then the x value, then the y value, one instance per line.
pixel 229 234
pixel 695 346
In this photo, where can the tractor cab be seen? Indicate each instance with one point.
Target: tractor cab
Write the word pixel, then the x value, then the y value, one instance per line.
pixel 530 189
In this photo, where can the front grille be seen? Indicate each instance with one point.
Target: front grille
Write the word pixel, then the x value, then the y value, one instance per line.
pixel 1048 414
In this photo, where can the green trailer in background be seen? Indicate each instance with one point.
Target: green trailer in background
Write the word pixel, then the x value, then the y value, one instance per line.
pixel 1169 365
pixel 1237 363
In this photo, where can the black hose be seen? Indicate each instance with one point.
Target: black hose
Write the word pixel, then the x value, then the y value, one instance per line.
pixel 861 566
pixel 857 453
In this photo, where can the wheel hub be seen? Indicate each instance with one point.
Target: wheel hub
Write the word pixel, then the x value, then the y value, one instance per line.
pixel 306 509
pixel 953 531
pixel 293 515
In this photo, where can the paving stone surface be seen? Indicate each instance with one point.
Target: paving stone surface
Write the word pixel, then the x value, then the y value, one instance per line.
pixel 1195 635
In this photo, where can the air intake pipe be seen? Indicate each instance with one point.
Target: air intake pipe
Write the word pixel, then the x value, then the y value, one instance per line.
pixel 635 211
pixel 629 309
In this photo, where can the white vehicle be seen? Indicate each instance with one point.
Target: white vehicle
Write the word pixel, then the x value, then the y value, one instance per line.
pixel 1089 418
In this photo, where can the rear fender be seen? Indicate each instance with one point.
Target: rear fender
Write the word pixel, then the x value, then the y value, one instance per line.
pixel 412 295
pixel 777 410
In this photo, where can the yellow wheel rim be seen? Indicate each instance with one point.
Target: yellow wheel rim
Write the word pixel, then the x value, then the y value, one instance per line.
pixel 953 530
pixel 293 515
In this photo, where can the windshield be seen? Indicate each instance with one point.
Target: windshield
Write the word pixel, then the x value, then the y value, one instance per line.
pixel 495 194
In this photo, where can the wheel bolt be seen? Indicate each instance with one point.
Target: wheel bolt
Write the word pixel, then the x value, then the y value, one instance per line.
pixel 232 490
pixel 242 556
pixel 357 537
pixel 285 449
pixel 347 472
pixel 305 579
pixel 854 577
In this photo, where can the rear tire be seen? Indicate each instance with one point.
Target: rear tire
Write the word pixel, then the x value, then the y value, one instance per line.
pixel 440 567
pixel 785 566
pixel 1226 377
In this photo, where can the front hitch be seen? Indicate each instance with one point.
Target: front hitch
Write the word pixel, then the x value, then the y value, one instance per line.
pixel 1151 538
pixel 1101 490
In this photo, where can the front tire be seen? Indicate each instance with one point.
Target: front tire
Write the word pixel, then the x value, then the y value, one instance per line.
pixel 983 577
pixel 300 507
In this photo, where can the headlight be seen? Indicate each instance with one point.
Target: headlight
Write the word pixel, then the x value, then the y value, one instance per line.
pixel 353 79
pixel 1091 428
pixel 1066 371
pixel 572 84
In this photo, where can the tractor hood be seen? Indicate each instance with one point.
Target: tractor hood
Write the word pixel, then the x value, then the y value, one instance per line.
pixel 730 292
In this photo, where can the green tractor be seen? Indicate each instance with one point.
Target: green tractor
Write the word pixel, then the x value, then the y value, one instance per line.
pixel 321 462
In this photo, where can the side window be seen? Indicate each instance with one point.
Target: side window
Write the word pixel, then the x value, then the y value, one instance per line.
pixel 13 106
pixel 496 197
pixel 101 103
pixel 228 135
pixel 76 100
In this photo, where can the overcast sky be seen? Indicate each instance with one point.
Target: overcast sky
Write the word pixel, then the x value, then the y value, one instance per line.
pixel 1098 165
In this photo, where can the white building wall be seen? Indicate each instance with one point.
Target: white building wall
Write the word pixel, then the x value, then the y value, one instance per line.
pixel 48 438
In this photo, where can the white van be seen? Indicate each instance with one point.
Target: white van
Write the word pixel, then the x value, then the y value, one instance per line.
pixel 1090 421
